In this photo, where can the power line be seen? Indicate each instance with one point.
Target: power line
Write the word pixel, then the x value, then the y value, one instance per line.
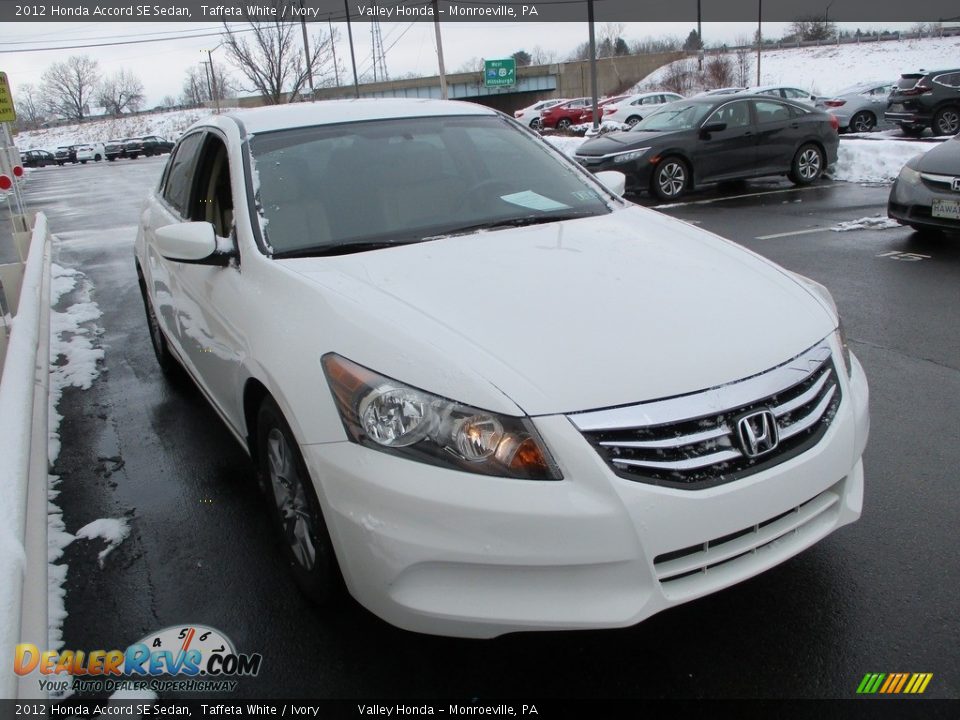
pixel 123 42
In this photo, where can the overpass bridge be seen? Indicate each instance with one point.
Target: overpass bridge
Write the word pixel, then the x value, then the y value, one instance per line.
pixel 534 82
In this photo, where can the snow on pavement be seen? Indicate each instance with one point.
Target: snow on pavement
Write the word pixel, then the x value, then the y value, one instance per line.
pixel 112 530
pixel 74 362
pixel 873 222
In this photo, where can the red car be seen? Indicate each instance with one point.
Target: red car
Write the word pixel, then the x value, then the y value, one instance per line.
pixel 565 114
pixel 605 106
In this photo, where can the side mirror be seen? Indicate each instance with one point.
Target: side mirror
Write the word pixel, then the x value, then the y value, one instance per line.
pixel 190 242
pixel 614 181
pixel 712 128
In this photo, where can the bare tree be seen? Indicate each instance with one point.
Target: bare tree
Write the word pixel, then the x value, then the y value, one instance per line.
pixel 69 86
pixel 743 62
pixel 272 61
pixel 680 77
pixel 656 45
pixel 474 64
pixel 812 28
pixel 719 71
pixel 539 56
pixel 199 86
pixel 121 92
pixel 29 107
pixel 168 101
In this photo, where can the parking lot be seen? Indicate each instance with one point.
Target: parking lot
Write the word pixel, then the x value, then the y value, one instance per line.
pixel 877 596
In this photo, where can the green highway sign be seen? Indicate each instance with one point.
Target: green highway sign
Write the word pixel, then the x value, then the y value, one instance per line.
pixel 500 73
pixel 7 113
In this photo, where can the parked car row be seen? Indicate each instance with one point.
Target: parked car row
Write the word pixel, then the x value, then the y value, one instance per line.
pixel 111 150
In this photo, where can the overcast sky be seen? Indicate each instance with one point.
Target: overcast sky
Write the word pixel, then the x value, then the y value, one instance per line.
pixel 410 47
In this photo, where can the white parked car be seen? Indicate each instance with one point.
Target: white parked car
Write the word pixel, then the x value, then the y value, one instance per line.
pixel 480 385
pixel 780 91
pixel 91 151
pixel 530 115
pixel 635 108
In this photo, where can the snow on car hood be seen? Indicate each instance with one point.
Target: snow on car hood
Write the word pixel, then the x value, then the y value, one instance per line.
pixel 574 315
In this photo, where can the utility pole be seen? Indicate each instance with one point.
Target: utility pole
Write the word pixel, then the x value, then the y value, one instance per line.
pixel 593 66
pixel 759 35
pixel 333 49
pixel 213 75
pixel 353 57
pixel 699 39
pixel 306 52
pixel 206 70
pixel 443 72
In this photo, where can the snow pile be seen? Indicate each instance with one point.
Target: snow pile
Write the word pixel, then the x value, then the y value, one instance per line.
pixel 168 125
pixel 829 68
pixel 873 222
pixel 567 145
pixel 73 362
pixel 875 161
pixel 112 530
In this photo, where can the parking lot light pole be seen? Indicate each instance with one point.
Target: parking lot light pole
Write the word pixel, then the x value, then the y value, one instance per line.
pixel 593 66
pixel 353 57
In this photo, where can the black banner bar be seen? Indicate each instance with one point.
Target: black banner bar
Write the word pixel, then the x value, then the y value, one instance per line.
pixel 470 10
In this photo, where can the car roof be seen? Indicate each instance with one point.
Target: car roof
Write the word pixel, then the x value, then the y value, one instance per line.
pixel 329 112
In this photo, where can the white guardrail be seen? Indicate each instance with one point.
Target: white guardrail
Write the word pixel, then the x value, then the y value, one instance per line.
pixel 24 392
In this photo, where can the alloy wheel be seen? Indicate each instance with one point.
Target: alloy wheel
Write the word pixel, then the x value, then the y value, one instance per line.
pixel 862 122
pixel 291 499
pixel 808 166
pixel 948 122
pixel 672 178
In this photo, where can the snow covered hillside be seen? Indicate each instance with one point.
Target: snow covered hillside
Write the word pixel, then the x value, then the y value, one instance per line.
pixel 166 124
pixel 826 69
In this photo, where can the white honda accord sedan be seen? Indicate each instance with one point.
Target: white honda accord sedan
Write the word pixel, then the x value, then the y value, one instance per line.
pixel 480 387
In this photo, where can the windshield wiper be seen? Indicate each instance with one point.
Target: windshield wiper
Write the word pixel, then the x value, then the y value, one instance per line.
pixel 513 222
pixel 340 249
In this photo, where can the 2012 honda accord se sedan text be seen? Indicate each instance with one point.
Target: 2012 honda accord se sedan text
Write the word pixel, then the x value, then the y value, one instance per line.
pixel 479 386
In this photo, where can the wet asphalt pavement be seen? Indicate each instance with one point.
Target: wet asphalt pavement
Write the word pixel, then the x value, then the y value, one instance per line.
pixel 878 596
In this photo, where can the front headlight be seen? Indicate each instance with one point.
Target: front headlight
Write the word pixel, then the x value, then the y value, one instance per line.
pixel 909 176
pixel 631 155
pixel 384 414
pixel 844 348
pixel 824 294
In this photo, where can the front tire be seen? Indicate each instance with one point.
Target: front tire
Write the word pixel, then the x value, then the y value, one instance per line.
pixel 947 121
pixel 563 123
pixel 862 121
pixel 165 359
pixel 671 178
pixel 807 166
pixel 294 507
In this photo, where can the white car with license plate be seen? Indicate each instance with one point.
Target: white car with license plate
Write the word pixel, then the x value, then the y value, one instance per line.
pixel 481 387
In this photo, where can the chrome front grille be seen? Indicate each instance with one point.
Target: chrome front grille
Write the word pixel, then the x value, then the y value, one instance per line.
pixel 696 441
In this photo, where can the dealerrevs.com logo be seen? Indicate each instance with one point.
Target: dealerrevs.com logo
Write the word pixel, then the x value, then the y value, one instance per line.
pixel 194 658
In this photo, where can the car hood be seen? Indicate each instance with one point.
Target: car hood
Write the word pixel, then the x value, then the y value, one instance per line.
pixel 569 316
pixel 944 159
pixel 619 141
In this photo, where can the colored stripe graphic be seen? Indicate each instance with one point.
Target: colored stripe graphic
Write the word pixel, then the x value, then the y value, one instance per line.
pixel 894 683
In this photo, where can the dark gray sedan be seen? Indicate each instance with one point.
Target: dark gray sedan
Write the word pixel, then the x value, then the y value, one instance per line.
pixel 926 195
pixel 706 140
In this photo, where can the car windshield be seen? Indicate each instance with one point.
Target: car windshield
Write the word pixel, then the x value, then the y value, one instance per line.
pixel 364 184
pixel 675 116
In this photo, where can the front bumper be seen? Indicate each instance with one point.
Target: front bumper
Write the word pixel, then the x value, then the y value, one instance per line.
pixel 444 552
pixel 637 172
pixel 911 204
